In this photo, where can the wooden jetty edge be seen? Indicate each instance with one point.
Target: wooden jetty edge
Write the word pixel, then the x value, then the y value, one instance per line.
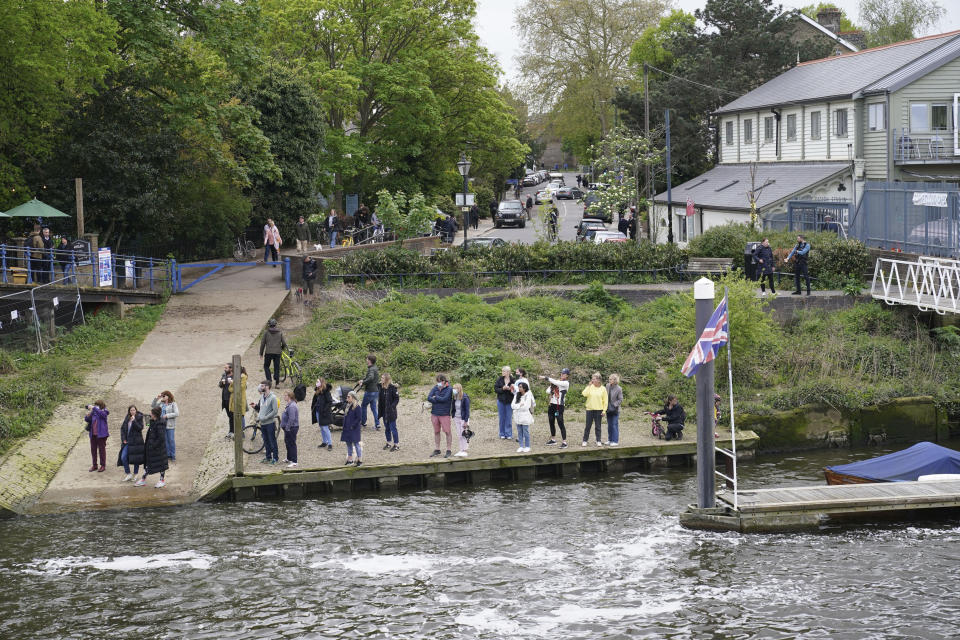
pixel 798 508
pixel 571 463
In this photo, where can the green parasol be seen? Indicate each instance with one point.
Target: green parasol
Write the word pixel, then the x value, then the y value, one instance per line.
pixel 35 209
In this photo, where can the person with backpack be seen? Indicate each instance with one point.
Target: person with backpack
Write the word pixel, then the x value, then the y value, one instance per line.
pixel 96 420
pixel 131 434
pixel 321 412
pixel 387 405
pixel 155 450
pixel 272 344
pixel 290 423
pixel 614 400
pixel 522 405
pixel 170 412
pixel 802 252
pixel 557 391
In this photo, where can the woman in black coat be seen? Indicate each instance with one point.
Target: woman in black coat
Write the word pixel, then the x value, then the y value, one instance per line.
pixel 155 449
pixel 131 443
pixel 765 265
pixel 387 403
pixel 321 412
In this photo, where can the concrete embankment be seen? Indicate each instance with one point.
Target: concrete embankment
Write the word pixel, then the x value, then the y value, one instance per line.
pixel 184 354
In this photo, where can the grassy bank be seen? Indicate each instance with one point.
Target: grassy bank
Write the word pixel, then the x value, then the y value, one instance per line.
pixel 850 359
pixel 32 385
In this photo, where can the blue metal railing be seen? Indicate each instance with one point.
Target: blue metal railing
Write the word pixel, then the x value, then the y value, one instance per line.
pixel 929 147
pixel 27 265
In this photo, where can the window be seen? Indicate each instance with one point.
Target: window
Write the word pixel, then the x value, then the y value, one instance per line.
pixel 939 118
pixel 768 129
pixel 814 125
pixel 729 132
pixel 877 116
pixel 792 126
pixel 840 123
pixel 748 131
pixel 681 227
pixel 919 121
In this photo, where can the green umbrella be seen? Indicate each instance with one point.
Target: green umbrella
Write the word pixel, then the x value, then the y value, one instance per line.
pixel 35 209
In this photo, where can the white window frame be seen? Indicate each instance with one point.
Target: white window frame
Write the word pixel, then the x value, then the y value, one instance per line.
pixel 681 227
pixel 748 131
pixel 815 125
pixel 837 121
pixel 877 117
pixel 791 124
pixel 728 133
pixel 768 129
pixel 956 118
pixel 946 108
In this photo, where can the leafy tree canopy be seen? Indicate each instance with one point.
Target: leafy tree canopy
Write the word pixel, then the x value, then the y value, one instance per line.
pixel 889 21
pixel 811 11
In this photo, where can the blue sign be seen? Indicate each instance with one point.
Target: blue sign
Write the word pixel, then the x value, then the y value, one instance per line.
pixel 512 181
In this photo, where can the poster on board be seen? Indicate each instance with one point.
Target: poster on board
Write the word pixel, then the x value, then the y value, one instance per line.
pixel 104 271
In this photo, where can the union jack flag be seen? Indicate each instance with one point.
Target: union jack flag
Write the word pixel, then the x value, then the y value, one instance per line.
pixel 714 336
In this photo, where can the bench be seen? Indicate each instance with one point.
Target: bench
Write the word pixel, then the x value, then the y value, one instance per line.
pixel 708 265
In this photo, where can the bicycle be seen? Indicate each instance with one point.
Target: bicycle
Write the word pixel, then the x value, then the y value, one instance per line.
pixel 657 430
pixel 288 367
pixel 253 435
pixel 244 249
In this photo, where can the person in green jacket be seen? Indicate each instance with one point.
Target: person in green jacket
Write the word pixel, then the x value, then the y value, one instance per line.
pixel 370 386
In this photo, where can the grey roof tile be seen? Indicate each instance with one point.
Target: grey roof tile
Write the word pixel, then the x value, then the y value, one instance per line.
pixel 726 185
pixel 842 75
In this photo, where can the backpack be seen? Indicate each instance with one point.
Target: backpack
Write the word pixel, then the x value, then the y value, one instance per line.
pixel 300 392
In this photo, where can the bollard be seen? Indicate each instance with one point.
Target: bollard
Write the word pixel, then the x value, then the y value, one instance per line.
pixel 286 272
pixel 3 256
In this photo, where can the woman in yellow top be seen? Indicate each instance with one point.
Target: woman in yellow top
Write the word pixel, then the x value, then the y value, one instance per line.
pixel 596 395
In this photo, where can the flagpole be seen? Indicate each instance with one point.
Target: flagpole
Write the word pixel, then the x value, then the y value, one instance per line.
pixel 703 294
pixel 733 428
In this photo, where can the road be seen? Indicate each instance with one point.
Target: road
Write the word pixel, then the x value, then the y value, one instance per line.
pixel 570 214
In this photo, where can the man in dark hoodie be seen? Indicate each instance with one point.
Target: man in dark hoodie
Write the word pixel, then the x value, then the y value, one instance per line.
pixel 271 346
pixel 370 386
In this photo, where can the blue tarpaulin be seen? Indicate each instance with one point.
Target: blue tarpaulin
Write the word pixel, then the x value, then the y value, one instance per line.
pixel 921 459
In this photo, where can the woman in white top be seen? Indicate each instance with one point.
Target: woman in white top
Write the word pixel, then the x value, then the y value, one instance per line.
pixel 523 404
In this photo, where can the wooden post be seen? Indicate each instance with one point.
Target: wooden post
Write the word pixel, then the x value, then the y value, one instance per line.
pixel 78 183
pixel 238 411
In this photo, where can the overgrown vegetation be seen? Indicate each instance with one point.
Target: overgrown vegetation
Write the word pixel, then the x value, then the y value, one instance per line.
pixel 849 359
pixel 32 385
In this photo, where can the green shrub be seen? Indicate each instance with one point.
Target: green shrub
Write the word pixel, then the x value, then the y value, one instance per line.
pixel 443 353
pixel 407 355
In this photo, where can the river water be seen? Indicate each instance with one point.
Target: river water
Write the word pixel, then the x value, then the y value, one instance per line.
pixel 597 558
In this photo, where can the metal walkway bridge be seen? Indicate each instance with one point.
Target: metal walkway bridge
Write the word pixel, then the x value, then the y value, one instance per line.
pixel 930 284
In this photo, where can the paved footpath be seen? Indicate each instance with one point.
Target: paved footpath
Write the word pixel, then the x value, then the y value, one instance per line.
pixel 184 354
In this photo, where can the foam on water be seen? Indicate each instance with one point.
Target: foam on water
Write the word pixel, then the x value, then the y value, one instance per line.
pixel 55 566
pixel 379 564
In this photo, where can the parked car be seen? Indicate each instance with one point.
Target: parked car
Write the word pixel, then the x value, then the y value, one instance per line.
pixel 484 243
pixel 569 193
pixel 591 199
pixel 544 195
pixel 509 212
pixel 530 180
pixel 587 228
pixel 600 237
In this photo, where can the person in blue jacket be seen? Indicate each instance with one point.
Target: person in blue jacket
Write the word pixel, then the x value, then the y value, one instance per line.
pixel 440 399
pixel 352 432
pixel 802 251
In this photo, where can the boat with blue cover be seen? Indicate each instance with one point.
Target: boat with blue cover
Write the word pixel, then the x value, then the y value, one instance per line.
pixel 922 459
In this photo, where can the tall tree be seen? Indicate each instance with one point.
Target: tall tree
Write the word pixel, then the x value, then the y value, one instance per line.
pixel 404 86
pixel 292 119
pixel 54 52
pixel 889 21
pixel 575 54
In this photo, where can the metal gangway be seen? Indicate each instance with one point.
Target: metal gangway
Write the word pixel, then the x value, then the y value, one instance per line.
pixel 930 284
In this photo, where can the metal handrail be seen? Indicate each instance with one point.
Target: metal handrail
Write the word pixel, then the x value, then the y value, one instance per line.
pixel 39 266
pixel 929 284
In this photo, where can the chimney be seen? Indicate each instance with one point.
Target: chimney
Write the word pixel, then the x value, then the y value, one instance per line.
pixel 829 17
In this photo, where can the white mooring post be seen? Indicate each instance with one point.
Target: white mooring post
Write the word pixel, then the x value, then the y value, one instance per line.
pixel 703 294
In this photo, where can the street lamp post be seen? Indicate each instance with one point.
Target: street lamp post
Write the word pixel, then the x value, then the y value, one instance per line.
pixel 464 168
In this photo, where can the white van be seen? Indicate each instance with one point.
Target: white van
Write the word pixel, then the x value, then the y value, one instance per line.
pixel 556 175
